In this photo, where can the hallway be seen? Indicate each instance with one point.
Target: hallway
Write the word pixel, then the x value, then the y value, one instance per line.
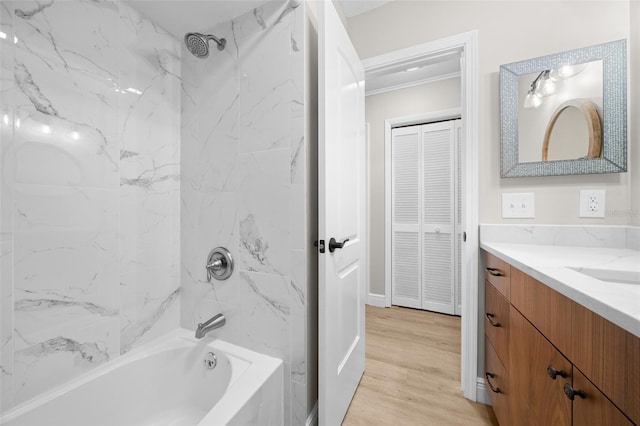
pixel 412 374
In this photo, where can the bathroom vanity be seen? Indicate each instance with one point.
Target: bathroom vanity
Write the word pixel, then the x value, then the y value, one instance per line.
pixel 562 337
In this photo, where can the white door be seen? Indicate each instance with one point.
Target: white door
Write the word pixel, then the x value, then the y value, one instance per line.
pixel 342 215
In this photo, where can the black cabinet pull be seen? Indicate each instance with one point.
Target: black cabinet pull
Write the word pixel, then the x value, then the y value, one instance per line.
pixel 489 316
pixel 489 376
pixel 553 373
pixel 333 244
pixel 495 272
pixel 572 393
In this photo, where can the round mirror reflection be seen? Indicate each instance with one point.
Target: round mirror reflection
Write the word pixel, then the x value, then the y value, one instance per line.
pixel 573 132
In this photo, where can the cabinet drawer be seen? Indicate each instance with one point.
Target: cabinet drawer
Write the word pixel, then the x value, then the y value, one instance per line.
pixel 497 384
pixel 496 321
pixel 498 273
pixel 594 408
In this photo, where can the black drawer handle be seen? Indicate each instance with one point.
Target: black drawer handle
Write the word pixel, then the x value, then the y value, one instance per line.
pixel 489 316
pixel 489 376
pixel 495 272
pixel 553 373
pixel 572 393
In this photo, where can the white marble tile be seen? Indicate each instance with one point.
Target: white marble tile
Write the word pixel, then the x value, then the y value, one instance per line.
pixel 265 313
pixel 264 212
pixel 66 85
pixel 150 300
pixel 48 363
pixel 46 208
pixel 265 90
pixel 633 237
pixel 62 278
pixel 298 218
pixel 298 403
pixel 146 227
pixel 559 235
pixel 6 323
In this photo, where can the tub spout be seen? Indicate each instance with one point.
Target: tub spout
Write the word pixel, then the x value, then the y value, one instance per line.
pixel 211 324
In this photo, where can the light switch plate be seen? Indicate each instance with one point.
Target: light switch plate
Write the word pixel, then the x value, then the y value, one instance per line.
pixel 592 202
pixel 518 205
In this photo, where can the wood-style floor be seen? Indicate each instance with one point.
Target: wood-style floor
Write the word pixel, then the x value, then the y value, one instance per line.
pixel 412 374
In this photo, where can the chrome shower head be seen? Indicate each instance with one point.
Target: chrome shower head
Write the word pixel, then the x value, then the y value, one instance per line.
pixel 198 44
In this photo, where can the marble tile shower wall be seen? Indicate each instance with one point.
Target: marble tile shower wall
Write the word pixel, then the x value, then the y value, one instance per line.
pixel 90 189
pixel 243 187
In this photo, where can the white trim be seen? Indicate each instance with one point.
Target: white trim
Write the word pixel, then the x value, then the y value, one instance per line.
pixel 482 394
pixel 312 420
pixel 376 300
pixel 389 124
pixel 367 245
pixel 412 84
pixel 467 44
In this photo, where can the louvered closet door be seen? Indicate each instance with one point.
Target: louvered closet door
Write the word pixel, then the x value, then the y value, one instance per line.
pixel 405 217
pixel 438 289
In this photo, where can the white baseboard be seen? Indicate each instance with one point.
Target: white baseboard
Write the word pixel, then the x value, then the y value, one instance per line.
pixel 376 300
pixel 312 420
pixel 482 395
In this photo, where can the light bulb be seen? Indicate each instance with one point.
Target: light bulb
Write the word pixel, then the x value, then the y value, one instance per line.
pixel 532 100
pixel 548 87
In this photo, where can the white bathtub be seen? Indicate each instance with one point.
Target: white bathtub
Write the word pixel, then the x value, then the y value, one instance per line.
pixel 166 382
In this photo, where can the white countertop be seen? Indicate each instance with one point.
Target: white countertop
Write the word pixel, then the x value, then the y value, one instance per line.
pixel 549 264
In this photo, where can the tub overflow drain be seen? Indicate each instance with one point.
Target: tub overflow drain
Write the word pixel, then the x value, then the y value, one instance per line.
pixel 210 360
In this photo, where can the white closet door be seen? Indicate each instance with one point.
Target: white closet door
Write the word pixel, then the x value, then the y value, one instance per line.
pixel 405 217
pixel 438 149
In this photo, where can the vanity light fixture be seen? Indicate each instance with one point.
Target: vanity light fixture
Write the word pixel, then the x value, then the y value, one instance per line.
pixel 566 71
pixel 534 98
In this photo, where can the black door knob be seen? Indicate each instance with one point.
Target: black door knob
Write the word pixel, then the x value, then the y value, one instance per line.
pixel 333 244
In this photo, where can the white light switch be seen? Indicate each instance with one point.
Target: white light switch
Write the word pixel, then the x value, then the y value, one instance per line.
pixel 592 203
pixel 518 205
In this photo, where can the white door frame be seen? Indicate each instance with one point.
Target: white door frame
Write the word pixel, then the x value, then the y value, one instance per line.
pixel 467 44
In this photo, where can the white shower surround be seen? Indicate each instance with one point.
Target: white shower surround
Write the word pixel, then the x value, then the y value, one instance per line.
pixel 243 187
pixel 98 208
pixel 90 189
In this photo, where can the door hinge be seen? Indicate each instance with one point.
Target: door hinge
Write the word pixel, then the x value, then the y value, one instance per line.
pixel 320 245
pixel 464 236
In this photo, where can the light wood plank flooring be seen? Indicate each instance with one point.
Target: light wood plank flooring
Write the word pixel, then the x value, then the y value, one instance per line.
pixel 412 372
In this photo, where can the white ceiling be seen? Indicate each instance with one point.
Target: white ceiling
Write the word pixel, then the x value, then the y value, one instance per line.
pixel 182 16
pixel 352 8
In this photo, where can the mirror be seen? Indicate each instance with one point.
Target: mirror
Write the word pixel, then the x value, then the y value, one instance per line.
pixel 565 113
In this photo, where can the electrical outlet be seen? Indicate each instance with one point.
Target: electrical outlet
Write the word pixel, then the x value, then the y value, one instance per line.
pixel 518 205
pixel 592 202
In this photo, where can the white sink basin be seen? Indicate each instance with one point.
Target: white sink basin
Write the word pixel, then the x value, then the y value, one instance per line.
pixel 611 275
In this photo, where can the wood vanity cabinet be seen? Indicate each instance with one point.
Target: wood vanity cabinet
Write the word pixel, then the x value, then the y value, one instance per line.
pixel 551 361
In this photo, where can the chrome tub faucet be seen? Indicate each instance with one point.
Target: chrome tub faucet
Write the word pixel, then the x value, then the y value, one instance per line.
pixel 211 324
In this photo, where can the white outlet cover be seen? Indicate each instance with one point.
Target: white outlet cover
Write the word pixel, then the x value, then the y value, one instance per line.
pixel 592 202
